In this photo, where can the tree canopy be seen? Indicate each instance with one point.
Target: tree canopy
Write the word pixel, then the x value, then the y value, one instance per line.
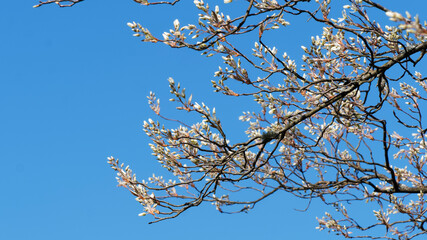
pixel 345 126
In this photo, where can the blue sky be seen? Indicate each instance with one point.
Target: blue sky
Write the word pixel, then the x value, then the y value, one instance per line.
pixel 73 87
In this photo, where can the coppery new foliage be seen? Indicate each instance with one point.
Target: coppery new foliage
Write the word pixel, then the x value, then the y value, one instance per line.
pixel 345 127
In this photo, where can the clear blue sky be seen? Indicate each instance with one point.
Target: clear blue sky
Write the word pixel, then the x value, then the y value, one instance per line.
pixel 73 87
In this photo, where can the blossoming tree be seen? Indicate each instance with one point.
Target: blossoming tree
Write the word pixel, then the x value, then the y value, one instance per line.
pixel 346 126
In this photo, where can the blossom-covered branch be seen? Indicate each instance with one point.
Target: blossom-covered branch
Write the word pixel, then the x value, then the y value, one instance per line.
pixel 344 126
